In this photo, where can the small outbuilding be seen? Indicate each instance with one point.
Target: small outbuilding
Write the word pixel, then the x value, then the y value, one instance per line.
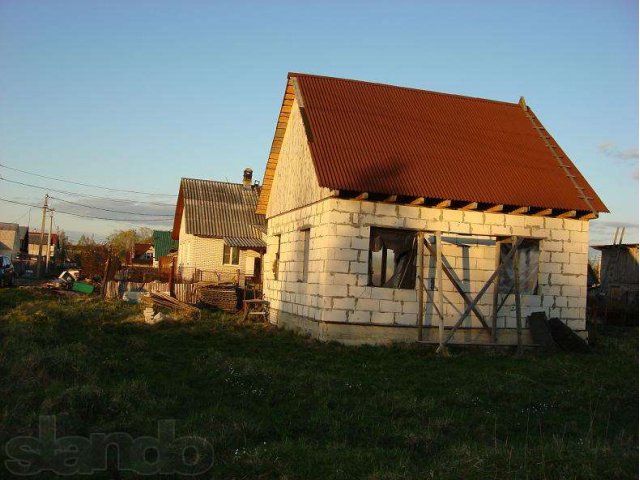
pixel 398 214
pixel 619 273
pixel 14 240
pixel 220 236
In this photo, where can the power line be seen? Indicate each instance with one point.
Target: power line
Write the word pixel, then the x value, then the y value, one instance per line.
pixel 85 184
pixel 89 195
pixel 28 212
pixel 87 216
pixel 108 209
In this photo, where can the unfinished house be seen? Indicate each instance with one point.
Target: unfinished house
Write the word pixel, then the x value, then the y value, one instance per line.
pixel 219 233
pixel 397 214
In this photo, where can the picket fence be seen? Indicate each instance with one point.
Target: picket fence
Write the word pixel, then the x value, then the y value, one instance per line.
pixel 185 292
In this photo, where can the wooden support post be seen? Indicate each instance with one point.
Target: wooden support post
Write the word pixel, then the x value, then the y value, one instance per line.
pixel 391 199
pixel 516 292
pixel 45 207
pixel 421 286
pixel 417 201
pixel 48 257
pixel 362 196
pixel 105 277
pixel 172 285
pixel 589 216
pixel 440 294
pixel 496 291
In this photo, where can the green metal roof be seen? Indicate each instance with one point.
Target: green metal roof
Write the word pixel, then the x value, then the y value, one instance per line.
pixel 162 243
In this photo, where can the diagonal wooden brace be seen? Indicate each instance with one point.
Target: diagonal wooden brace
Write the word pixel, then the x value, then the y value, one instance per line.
pixel 482 291
pixel 454 281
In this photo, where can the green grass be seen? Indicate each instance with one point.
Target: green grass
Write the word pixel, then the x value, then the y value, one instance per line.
pixel 275 405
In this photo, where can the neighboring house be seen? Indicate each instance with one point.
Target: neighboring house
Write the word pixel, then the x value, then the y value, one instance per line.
pixel 220 235
pixel 13 240
pixel 366 183
pixel 619 272
pixel 163 244
pixel 34 245
pixel 142 254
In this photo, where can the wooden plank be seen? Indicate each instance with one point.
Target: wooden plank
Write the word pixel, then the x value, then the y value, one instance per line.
pixel 391 199
pixel 362 196
pixel 417 201
pixel 495 208
pixel 469 206
pixel 421 286
pixel 589 216
pixel 496 291
pixel 516 288
pixel 440 296
pixel 519 211
pixel 443 204
pixel 567 214
pixel 543 213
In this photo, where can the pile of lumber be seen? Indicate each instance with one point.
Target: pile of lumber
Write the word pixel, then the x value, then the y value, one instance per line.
pixel 162 299
pixel 224 297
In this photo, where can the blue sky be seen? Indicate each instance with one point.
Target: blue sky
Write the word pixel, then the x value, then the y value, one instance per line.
pixel 135 95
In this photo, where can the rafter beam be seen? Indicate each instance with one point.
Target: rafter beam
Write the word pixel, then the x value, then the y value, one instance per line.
pixel 543 213
pixel 568 214
pixel 443 204
pixel 519 211
pixel 469 206
pixel 494 209
pixel 391 199
pixel 589 216
pixel 417 201
pixel 362 196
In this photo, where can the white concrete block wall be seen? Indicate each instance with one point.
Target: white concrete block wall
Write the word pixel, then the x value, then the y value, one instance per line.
pixel 337 289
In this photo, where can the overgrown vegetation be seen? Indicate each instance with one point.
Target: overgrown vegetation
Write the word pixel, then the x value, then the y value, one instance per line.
pixel 277 405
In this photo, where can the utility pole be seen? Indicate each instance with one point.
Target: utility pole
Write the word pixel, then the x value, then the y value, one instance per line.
pixel 45 207
pixel 47 258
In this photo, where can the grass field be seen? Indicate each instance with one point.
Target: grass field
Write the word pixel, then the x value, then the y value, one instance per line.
pixel 274 405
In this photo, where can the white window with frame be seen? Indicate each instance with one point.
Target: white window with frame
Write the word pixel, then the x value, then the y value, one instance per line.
pixel 230 255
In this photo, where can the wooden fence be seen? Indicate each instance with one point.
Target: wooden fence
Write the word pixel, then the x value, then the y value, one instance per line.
pixel 185 292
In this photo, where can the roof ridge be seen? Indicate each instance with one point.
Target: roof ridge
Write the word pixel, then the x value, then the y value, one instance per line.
pixel 415 89
pixel 211 181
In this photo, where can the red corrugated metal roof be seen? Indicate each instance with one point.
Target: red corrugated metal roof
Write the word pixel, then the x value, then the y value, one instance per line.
pixel 378 138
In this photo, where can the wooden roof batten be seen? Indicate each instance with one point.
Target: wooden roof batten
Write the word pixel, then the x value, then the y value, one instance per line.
pixel 553 148
pixel 276 144
pixel 442 203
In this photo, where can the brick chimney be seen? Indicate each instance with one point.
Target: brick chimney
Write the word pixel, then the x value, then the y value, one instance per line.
pixel 246 178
